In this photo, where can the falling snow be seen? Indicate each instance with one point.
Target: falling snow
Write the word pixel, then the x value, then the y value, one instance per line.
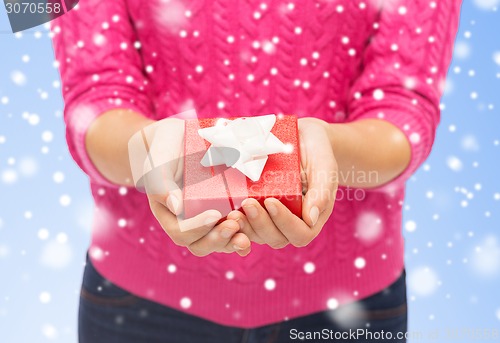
pixel 450 216
pixel 485 258
pixel 185 302
pixel 360 262
pixel 43 234
pixel 65 200
pixel 369 227
pixel 332 303
pixel 309 268
pixel 270 284
pixel 56 255
pixel 58 177
pixel 487 4
pixel 423 281
pixel 410 225
pixel 18 77
pixel 462 50
pixel 454 163
pixel 45 297
pixel 49 331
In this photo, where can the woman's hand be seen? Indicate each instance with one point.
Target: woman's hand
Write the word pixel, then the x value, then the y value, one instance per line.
pixel 200 234
pixel 275 225
pixel 158 151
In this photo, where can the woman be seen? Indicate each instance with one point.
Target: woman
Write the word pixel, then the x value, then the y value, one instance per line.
pixel 365 79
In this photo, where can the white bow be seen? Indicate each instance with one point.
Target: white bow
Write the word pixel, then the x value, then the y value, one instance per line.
pixel 251 137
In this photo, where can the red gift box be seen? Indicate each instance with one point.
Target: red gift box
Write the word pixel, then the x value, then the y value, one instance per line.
pixel 224 188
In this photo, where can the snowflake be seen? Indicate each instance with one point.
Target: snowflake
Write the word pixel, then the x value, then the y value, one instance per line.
pixel 454 163
pixel 43 234
pixel 185 302
pixel 423 281
pixel 18 77
pixel 45 297
pixel 309 268
pixel 410 226
pixel 270 284
pixel 65 200
pixel 332 303
pixel 360 262
pixel 487 4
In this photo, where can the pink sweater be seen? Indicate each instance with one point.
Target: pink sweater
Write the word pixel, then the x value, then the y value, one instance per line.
pixel 335 60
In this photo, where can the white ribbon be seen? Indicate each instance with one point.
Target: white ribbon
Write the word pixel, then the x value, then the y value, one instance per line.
pixel 250 136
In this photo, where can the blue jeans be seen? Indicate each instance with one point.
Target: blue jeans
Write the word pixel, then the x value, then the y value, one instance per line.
pixel 110 314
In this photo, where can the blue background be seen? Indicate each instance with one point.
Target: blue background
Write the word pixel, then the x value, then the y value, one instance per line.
pixel 451 217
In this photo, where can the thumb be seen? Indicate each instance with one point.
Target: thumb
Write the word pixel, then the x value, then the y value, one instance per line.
pixel 161 187
pixel 320 170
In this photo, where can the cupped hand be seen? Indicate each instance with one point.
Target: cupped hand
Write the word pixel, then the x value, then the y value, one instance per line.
pixel 275 225
pixel 159 149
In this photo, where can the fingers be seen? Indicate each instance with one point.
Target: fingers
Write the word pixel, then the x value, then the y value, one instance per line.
pixel 245 226
pixel 158 165
pixel 321 173
pixel 217 239
pixel 263 225
pixel 174 201
pixel 318 202
pixel 223 238
pixel 161 188
pixel 296 231
pixel 240 244
pixel 163 163
pixel 200 234
pixel 184 232
pixel 319 198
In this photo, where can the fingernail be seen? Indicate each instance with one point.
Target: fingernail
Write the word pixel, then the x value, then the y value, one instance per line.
pixel 314 214
pixel 226 233
pixel 271 208
pixel 173 203
pixel 232 214
pixel 251 211
pixel 235 247
pixel 212 220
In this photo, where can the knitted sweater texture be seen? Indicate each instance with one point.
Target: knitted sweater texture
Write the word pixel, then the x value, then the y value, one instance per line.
pixel 337 60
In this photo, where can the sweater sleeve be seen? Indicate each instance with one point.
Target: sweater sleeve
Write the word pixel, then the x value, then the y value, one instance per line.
pixel 96 49
pixel 404 69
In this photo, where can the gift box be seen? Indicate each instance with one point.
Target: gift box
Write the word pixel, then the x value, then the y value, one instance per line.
pixel 231 163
